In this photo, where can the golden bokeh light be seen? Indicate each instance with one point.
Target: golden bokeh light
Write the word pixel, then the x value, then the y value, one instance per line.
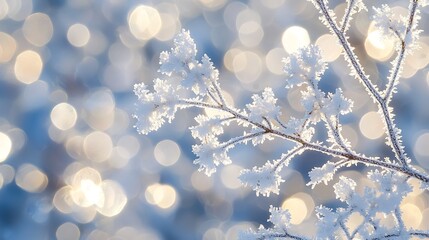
pixel 308 200
pixel 7 47
pixel 68 231
pixel 250 33
pixel 329 47
pixel 294 38
pixel 28 67
pixel 98 146
pixel 78 35
pixel 71 170
pixel 63 201
pixel 114 199
pixel 411 215
pixel 377 46
pixel 163 196
pixel 248 26
pixel 170 27
pixel 31 179
pixel 297 209
pixel 144 22
pixel 87 193
pixel 229 56
pixel 167 152
pixel 247 66
pixel 5 146
pixel 63 116
pixel 85 174
pixel 38 29
pixel 371 125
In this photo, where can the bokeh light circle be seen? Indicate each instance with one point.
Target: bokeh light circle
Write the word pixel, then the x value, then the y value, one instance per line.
pixel 163 196
pixel 5 146
pixel 78 35
pixel 28 67
pixel 68 231
pixel 144 22
pixel 31 179
pixel 371 125
pixel 294 38
pixel 297 209
pixel 167 152
pixel 7 47
pixel 98 146
pixel 38 29
pixel 63 116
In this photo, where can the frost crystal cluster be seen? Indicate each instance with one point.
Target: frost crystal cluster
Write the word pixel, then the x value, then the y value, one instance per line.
pixel 188 82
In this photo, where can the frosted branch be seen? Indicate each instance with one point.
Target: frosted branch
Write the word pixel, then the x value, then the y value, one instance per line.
pixel 399 60
pixel 187 82
pixel 393 134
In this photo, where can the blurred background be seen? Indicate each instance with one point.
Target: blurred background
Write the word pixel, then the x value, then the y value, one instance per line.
pixel 72 166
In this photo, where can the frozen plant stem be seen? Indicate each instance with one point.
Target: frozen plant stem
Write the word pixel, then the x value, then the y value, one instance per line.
pixel 393 134
pixel 393 78
pixel 188 82
pixel 348 156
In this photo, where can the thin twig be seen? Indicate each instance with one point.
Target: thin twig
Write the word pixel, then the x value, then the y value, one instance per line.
pixel 393 78
pixel 392 133
pixel 219 93
pixel 241 139
pixel 347 15
pixel 315 146
pixel 288 156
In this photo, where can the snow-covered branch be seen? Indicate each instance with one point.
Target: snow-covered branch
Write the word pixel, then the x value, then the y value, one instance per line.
pixel 187 82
